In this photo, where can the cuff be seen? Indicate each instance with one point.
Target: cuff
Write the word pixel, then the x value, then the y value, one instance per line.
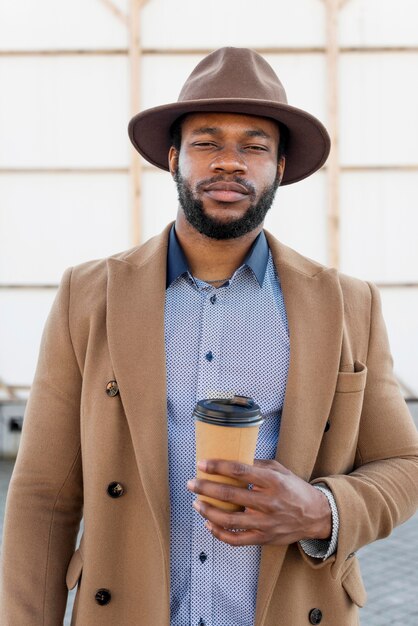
pixel 324 548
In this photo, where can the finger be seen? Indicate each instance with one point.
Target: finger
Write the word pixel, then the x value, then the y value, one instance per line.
pixel 234 469
pixel 247 520
pixel 250 537
pixel 227 493
pixel 237 538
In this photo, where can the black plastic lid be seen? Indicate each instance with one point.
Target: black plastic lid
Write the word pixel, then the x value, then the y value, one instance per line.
pixel 236 411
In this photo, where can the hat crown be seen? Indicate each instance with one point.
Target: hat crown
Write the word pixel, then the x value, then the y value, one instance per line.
pixel 233 73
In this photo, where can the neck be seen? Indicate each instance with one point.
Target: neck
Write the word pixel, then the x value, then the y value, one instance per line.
pixel 212 259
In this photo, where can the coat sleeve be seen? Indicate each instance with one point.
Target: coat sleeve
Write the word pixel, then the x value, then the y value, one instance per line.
pixel 382 491
pixel 44 504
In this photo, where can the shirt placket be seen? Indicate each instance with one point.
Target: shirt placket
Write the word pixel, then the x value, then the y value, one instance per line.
pixel 201 608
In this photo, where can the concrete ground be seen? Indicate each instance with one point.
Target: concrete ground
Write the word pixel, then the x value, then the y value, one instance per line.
pixel 389 568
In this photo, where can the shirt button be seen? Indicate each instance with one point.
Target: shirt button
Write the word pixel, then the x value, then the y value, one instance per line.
pixel 213 299
pixel 209 356
pixel 202 557
pixel 201 622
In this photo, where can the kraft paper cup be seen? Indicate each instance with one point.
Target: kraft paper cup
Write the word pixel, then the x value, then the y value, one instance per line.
pixel 226 429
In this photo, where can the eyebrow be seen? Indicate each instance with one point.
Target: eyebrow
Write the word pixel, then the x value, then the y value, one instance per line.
pixel 205 130
pixel 257 132
pixel 213 130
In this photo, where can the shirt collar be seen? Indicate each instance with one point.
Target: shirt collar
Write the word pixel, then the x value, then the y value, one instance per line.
pixel 256 258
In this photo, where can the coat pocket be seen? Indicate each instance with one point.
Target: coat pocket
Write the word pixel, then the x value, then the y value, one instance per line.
pixel 75 567
pixel 352 382
pixel 338 447
pixel 352 583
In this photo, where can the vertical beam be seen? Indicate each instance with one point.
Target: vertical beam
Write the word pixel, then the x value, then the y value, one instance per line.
pixel 332 56
pixel 134 55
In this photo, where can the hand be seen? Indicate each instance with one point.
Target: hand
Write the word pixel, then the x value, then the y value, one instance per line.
pixel 280 509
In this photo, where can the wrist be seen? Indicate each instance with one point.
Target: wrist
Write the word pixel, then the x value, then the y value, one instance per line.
pixel 322 528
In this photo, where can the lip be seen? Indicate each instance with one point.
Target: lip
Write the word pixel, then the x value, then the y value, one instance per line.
pixel 226 192
pixel 224 186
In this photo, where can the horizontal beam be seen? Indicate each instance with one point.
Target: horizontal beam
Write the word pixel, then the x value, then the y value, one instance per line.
pixel 15 387
pixel 10 391
pixel 42 286
pixel 55 52
pixel 395 285
pixel 65 170
pixel 28 286
pixel 413 167
pixel 19 387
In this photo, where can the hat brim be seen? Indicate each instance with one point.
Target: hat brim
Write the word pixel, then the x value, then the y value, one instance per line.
pixel 307 148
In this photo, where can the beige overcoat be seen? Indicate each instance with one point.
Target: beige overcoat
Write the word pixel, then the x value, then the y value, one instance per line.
pixel 107 324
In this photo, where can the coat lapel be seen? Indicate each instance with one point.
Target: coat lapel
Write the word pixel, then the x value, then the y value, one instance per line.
pixel 314 307
pixel 135 326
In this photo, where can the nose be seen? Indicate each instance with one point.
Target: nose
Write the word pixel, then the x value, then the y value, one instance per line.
pixel 230 161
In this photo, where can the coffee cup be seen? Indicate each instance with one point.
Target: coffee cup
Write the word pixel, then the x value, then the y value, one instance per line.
pixel 226 429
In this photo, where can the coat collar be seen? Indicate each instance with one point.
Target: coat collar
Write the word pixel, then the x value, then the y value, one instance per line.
pixel 135 326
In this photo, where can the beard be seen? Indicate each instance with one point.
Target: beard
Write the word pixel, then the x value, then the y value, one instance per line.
pixel 218 229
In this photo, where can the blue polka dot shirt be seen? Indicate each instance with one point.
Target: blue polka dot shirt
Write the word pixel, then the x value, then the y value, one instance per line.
pixel 220 342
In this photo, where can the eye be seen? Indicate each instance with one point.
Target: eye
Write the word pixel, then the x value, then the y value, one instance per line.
pixel 257 148
pixel 203 144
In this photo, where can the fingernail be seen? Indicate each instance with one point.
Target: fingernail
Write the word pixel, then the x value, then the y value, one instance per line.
pixel 191 484
pixel 208 525
pixel 196 505
pixel 202 465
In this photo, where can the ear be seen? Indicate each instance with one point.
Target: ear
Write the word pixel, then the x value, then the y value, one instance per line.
pixel 281 167
pixel 173 159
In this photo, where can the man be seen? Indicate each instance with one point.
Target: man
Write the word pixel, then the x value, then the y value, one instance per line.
pixel 212 307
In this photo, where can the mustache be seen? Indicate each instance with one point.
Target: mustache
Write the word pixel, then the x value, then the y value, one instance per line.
pixel 221 179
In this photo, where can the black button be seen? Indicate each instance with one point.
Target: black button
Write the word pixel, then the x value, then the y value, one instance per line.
pixel 202 557
pixel 209 356
pixel 112 388
pixel 115 490
pixel 213 299
pixel 315 616
pixel 103 596
pixel 201 622
pixel 327 426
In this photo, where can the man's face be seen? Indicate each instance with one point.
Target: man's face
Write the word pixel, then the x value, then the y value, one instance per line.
pixel 226 172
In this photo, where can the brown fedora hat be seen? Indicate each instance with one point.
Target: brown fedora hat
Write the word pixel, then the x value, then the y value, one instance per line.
pixel 235 80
